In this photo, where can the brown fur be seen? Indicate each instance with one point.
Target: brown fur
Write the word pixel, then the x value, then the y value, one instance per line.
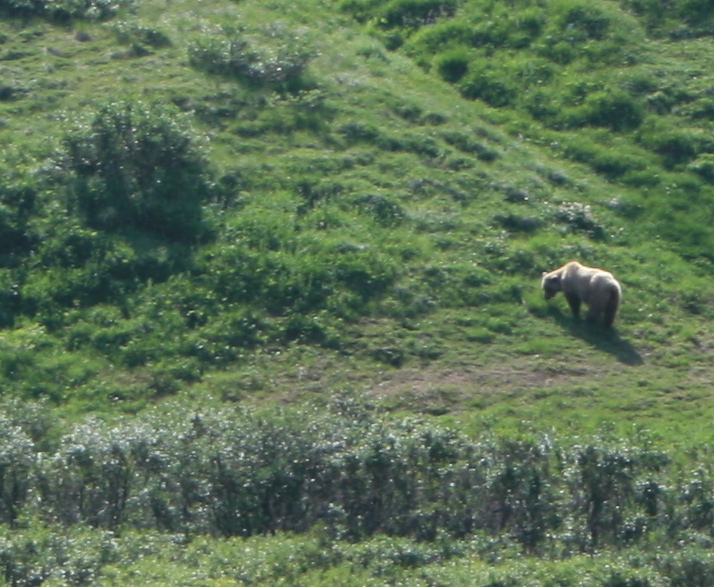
pixel 595 287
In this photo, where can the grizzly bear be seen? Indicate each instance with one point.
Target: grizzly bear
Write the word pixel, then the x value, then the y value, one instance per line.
pixel 596 287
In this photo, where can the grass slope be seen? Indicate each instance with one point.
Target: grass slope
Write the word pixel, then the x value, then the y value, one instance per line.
pixel 374 219
pixel 460 208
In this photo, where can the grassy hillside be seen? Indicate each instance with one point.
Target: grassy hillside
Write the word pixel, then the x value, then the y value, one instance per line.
pixel 239 205
pixel 341 214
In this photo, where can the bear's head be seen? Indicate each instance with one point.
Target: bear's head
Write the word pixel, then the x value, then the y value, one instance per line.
pixel 551 285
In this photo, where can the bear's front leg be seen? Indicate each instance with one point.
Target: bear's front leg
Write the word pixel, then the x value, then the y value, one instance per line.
pixel 574 302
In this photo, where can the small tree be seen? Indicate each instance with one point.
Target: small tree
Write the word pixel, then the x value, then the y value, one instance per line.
pixel 137 167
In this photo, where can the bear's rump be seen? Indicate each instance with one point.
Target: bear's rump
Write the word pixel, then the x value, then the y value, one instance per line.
pixel 601 288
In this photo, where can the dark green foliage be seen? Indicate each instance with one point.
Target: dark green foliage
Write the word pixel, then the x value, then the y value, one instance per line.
pixel 274 58
pixel 140 37
pixel 361 9
pixel 675 146
pixel 283 282
pixel 346 472
pixel 415 13
pixel 240 473
pixel 581 20
pixel 578 217
pixel 452 65
pixel 135 167
pixel 385 211
pixel 446 35
pixel 18 204
pixel 518 223
pixel 608 480
pixel 614 110
pixel 486 82
pixel 704 166
pixel 17 456
pixel 607 160
pixel 696 15
pixel 66 9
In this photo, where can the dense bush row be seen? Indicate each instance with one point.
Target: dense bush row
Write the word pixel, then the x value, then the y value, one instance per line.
pixel 238 472
pixel 55 556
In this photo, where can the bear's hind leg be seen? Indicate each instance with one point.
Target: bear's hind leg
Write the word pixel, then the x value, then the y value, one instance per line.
pixel 610 310
pixel 594 312
pixel 574 302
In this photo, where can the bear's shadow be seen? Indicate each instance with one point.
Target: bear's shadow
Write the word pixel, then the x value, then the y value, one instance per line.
pixel 601 337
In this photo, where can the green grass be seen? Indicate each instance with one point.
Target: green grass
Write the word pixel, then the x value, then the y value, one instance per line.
pixel 376 209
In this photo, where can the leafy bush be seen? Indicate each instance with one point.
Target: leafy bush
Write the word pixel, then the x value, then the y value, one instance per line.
pixel 444 35
pixel 518 223
pixel 137 34
pixel 65 9
pixel 18 204
pixel 17 457
pixel 138 167
pixel 578 217
pixel 240 473
pixel 452 65
pixel 385 211
pixel 608 478
pixel 696 15
pixel 486 82
pixel 274 57
pixel 612 109
pixel 609 160
pixel 581 20
pixel 415 13
pixel 703 166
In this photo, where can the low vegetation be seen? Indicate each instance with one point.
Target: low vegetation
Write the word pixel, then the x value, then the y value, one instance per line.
pixel 399 497
pixel 270 307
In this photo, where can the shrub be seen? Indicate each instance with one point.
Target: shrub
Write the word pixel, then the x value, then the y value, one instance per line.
pixel 415 13
pixel 578 217
pixel 452 65
pixel 598 31
pixel 138 167
pixel 66 9
pixel 385 211
pixel 362 10
pixel 703 166
pixel 133 33
pixel 613 161
pixel 616 110
pixel 676 146
pixel 274 57
pixel 518 222
pixel 355 473
pixel 17 457
pixel 581 20
pixel 468 143
pixel 18 204
pixel 444 35
pixel 488 83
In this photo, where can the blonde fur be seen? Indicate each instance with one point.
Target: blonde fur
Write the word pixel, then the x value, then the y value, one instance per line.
pixel 595 287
